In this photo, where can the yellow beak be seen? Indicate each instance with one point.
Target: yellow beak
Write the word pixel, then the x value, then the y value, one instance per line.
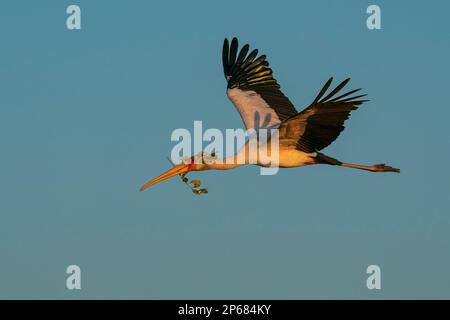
pixel 176 170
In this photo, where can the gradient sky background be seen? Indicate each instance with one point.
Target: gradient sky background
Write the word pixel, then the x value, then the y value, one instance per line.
pixel 86 118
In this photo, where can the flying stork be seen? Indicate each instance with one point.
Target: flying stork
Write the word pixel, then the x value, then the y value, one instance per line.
pixel 256 95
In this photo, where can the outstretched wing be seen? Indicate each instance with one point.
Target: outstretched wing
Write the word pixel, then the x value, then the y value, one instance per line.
pixel 252 88
pixel 321 123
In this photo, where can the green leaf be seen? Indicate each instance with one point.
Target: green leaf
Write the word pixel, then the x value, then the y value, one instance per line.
pixel 195 191
pixel 196 183
pixel 203 191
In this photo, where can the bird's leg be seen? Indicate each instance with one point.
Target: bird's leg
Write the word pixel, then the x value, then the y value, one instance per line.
pixel 374 168
pixel 322 158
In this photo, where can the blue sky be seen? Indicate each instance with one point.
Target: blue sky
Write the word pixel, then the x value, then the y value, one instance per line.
pixel 86 118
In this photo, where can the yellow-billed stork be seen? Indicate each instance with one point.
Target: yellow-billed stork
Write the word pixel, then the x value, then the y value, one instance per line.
pixel 256 95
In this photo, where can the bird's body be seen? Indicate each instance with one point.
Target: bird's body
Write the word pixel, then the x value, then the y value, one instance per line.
pixel 262 106
pixel 287 158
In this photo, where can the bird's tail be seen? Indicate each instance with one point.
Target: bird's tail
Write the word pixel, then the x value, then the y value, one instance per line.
pixel 322 158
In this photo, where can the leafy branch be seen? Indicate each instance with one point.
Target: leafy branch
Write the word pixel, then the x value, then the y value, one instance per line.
pixel 194 184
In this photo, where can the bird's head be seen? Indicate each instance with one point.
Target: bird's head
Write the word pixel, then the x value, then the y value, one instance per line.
pixel 201 161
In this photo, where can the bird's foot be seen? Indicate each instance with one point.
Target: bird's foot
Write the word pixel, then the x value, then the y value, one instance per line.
pixel 382 167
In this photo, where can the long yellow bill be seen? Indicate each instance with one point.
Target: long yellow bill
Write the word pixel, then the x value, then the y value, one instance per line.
pixel 176 170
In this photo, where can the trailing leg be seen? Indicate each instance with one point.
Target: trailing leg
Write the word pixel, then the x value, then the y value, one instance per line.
pixel 322 158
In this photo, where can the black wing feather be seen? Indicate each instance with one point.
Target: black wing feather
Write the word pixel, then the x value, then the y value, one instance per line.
pixel 320 123
pixel 225 57
pixel 251 73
